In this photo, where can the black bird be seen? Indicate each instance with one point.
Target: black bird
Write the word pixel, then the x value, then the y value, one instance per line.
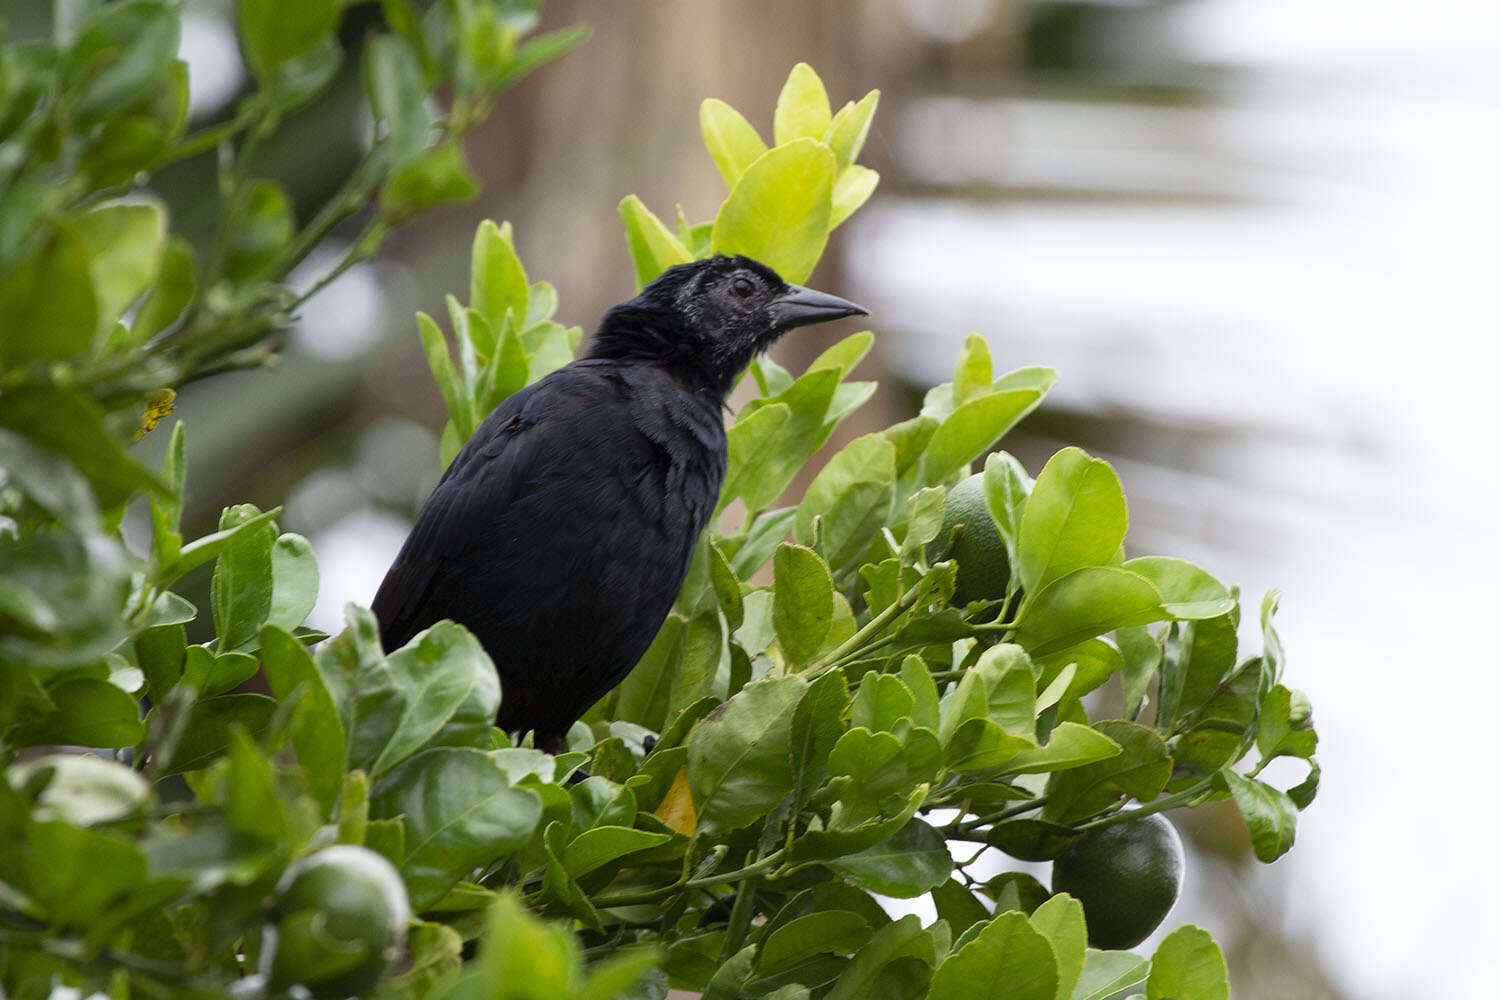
pixel 561 533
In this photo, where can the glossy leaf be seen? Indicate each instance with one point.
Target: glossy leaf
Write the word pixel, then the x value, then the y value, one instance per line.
pixel 1007 960
pixel 1269 812
pixel 912 861
pixel 1074 518
pixel 1188 964
pixel 737 756
pixel 779 210
pixel 1086 603
pixel 803 609
pixel 1060 920
pixel 1187 591
pixel 1108 973
pixel 731 140
pixel 459 812
pixel 802 110
pixel 972 428
pixel 653 247
pixel 1140 770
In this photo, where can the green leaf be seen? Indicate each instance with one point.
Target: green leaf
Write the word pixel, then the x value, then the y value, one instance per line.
pixel 1071 745
pixel 497 279
pixel 1075 518
pixel 254 807
pixel 174 290
pixel 1279 734
pixel 595 848
pixel 956 905
pixel 459 812
pixel 803 611
pixel 77 876
pixel 836 931
pixel 263 227
pixel 439 174
pixel 850 191
pixel 844 355
pixel 1060 920
pixel 738 768
pixel 1140 770
pixel 403 701
pixel 1085 603
pixel 49 303
pixel 643 695
pixel 89 713
pixel 242 582
pixel 1269 812
pixel 731 140
pixel 1006 487
pixel 205 735
pixel 123 52
pixel 913 861
pixel 294 581
pixel 779 209
pixel 1187 591
pixel 1007 960
pixel 753 451
pixel 973 372
pixel 851 496
pixel 653 247
pixel 274 31
pixel 1108 973
pixel 972 428
pixel 449 382
pixel 802 110
pixel 899 940
pixel 124 244
pixel 81 789
pixel 882 701
pixel 1188 964
pixel 520 952
pixel 303 77
pixel 317 732
pixel 817 724
pixel 847 131
pixel 397 89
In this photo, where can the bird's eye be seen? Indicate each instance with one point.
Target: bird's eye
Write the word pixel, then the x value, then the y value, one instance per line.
pixel 742 287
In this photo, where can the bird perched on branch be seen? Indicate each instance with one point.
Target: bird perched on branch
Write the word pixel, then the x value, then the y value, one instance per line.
pixel 561 533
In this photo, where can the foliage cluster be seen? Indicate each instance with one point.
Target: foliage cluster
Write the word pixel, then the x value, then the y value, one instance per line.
pixel 818 724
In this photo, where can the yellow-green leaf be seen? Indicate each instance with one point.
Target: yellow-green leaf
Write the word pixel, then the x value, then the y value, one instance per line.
pixel 779 210
pixel 802 110
pixel 854 187
pixel 653 247
pixel 731 140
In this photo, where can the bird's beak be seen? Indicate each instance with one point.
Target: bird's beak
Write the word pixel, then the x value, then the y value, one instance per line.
pixel 798 306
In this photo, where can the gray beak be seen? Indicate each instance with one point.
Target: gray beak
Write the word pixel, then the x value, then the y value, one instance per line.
pixel 799 306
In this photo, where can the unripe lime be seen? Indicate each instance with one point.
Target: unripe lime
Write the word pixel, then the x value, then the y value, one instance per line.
pixel 338 922
pixel 983 565
pixel 1127 876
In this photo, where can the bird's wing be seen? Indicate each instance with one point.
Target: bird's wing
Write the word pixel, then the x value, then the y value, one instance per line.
pixel 508 454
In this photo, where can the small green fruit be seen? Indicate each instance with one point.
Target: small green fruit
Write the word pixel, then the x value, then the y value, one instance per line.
pixel 983 565
pixel 338 922
pixel 1127 877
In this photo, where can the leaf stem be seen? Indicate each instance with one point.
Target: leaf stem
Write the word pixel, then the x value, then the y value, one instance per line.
pixel 764 866
pixel 1159 805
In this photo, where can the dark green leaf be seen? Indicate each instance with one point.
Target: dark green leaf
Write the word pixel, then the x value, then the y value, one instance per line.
pixel 1140 771
pixel 242 583
pixel 1030 839
pixel 317 733
pixel 264 225
pixel 438 174
pixel 460 813
pixel 907 864
pixel 1269 813
pixel 817 725
pixel 205 735
pixel 124 52
pixel 274 31
pixel 89 713
pixel 801 938
pixel 602 845
pixel 904 938
pixel 737 759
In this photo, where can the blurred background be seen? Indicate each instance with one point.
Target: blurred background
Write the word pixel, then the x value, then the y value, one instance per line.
pixel 1256 237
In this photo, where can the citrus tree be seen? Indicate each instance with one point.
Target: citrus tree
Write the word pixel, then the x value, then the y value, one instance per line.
pixel 857 696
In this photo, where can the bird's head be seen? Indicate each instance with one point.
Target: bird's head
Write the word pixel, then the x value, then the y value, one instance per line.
pixel 708 318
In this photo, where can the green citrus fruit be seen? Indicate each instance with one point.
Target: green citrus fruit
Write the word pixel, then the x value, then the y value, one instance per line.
pixel 339 920
pixel 1127 876
pixel 983 566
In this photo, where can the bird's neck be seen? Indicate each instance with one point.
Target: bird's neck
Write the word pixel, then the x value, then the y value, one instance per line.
pixel 629 333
